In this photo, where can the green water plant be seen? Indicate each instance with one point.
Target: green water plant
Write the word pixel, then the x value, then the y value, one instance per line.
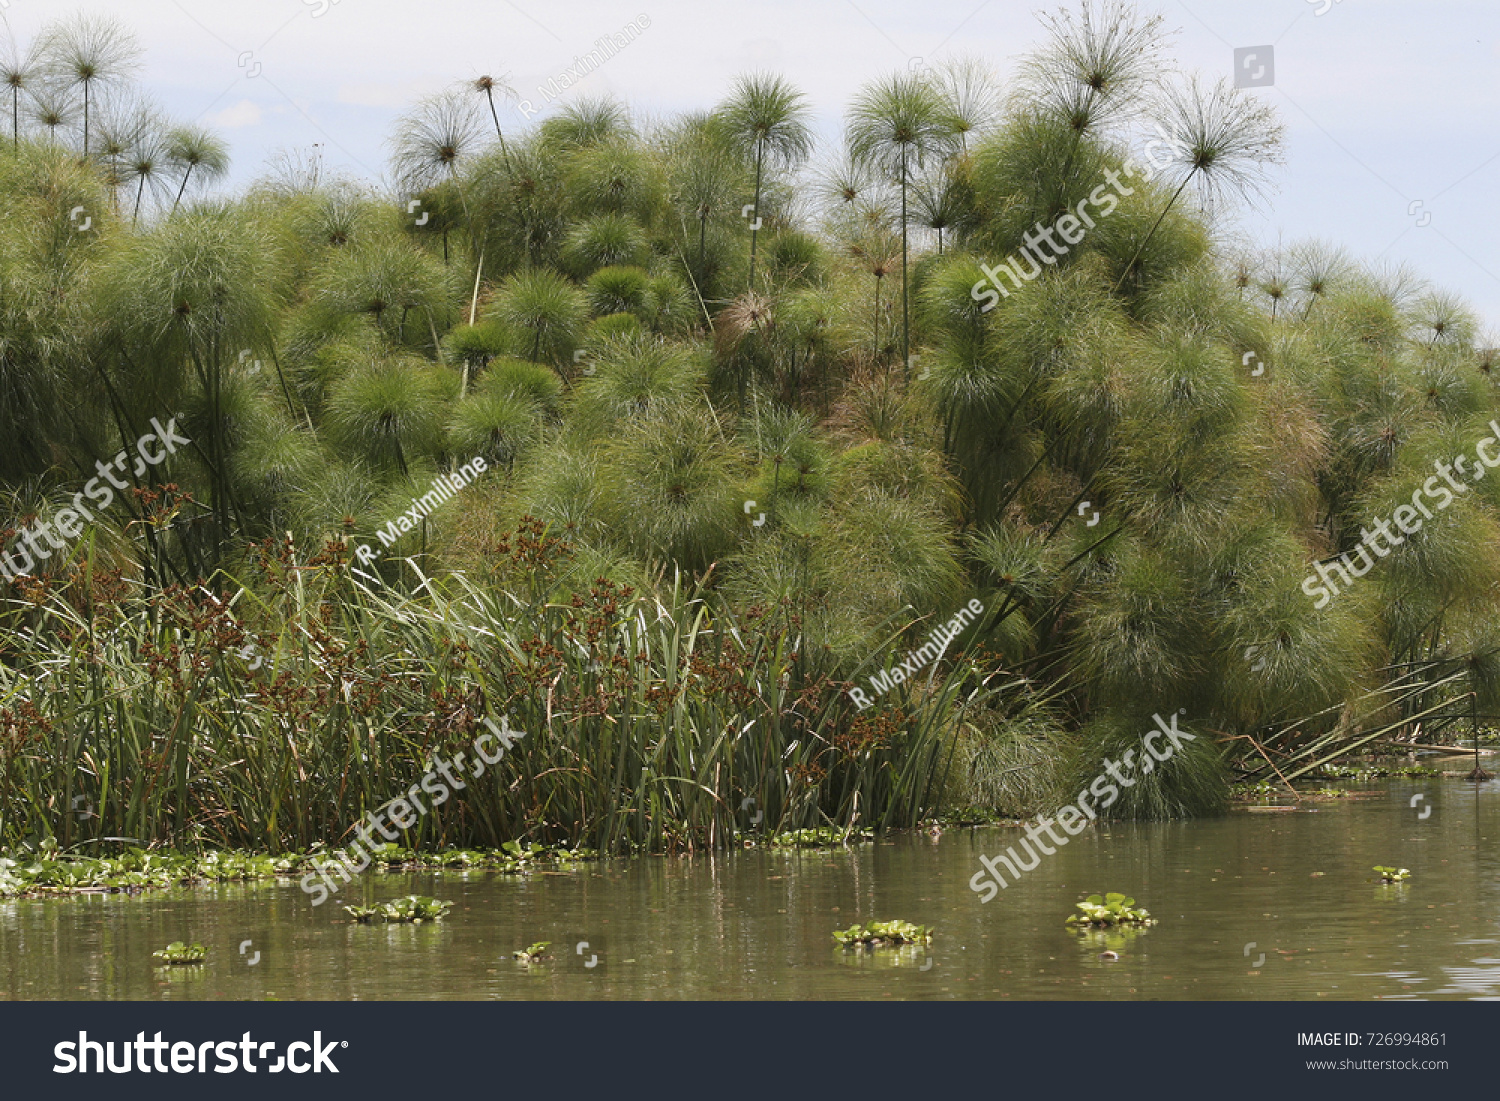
pixel 1258 790
pixel 49 870
pixel 412 909
pixel 883 934
pixel 1109 910
pixel 179 954
pixel 536 953
pixel 817 837
pixel 1391 875
pixel 690 667
pixel 770 116
pixel 1087 455
pixel 1365 773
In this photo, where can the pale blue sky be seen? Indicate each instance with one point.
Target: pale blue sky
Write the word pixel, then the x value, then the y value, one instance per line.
pixel 1387 102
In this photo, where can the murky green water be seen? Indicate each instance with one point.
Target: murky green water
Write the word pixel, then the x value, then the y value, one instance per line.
pixel 756 925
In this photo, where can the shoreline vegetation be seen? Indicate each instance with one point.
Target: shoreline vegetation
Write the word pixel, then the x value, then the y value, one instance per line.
pixel 731 469
pixel 49 871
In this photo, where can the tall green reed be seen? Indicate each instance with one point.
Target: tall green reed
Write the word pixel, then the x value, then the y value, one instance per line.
pixel 273 711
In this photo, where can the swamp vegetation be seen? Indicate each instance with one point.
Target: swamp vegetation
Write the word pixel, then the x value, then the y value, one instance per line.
pixel 733 472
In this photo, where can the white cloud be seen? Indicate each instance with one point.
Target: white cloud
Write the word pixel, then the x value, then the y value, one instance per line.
pixel 243 113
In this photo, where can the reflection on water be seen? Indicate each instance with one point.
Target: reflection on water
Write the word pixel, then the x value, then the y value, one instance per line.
pixel 1253 906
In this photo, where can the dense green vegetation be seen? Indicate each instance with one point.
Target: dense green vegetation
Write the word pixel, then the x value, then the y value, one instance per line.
pixel 732 470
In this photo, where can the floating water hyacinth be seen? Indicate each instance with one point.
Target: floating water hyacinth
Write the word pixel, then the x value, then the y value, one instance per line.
pixel 883 934
pixel 178 954
pixel 413 909
pixel 1110 910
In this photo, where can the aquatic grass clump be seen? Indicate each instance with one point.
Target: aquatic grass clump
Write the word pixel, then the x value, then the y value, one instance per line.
pixel 1391 875
pixel 1194 783
pixel 276 714
pixel 883 934
pixel 411 910
pixel 1112 909
pixel 178 954
pixel 536 953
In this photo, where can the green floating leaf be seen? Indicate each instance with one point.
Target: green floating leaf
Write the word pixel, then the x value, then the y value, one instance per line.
pixel 1112 910
pixel 883 934
pixel 413 909
pixel 179 953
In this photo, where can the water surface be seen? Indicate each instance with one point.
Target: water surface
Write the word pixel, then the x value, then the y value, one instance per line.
pixel 1296 884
